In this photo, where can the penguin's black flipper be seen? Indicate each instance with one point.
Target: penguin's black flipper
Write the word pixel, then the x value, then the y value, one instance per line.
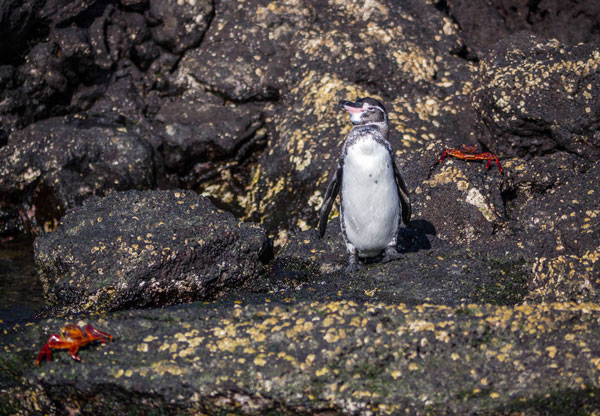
pixel 403 194
pixel 332 190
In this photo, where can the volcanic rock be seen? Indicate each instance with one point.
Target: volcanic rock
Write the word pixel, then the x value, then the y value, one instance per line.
pixel 315 358
pixel 141 249
pixel 57 163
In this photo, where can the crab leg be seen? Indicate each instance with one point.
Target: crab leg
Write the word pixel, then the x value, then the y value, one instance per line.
pixel 96 334
pixel 73 352
pixel 490 157
pixel 45 352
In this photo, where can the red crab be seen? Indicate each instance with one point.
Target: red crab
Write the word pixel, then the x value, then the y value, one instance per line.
pixel 472 153
pixel 72 338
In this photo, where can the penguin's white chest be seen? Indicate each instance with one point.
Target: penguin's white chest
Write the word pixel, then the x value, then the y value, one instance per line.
pixel 370 205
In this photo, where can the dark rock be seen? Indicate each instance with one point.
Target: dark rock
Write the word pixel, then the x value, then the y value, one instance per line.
pixel 399 55
pixel 197 132
pixel 210 147
pixel 134 4
pixel 556 203
pixel 63 12
pixel 480 23
pixel 569 21
pixel 140 249
pixel 315 358
pixel 429 272
pixel 461 200
pixel 18 20
pixel 483 22
pixel 561 223
pixel 245 53
pixel 230 69
pixel 537 97
pixel 79 51
pixel 180 25
pixel 57 163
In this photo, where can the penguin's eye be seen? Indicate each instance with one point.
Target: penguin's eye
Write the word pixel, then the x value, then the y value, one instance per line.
pixel 371 109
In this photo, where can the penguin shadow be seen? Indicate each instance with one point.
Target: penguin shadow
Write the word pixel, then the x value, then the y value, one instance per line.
pixel 418 235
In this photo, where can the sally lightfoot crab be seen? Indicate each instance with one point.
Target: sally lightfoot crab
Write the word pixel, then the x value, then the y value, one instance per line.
pixel 472 153
pixel 72 338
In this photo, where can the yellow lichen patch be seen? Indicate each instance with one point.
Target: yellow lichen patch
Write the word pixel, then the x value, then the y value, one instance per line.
pixel 331 336
pixel 260 360
pixel 561 276
pixel 448 174
pixel 419 325
pixel 165 366
pixel 410 58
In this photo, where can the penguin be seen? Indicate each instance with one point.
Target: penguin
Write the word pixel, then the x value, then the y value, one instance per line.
pixel 374 198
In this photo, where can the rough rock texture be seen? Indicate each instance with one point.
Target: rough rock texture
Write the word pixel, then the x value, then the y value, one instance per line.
pixel 536 97
pixel 198 136
pixel 430 272
pixel 139 249
pixel 238 101
pixel 316 358
pixel 57 163
pixel 383 55
pixel 180 25
pixel 570 21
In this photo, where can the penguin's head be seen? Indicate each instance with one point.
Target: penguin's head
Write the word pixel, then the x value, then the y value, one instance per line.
pixel 365 111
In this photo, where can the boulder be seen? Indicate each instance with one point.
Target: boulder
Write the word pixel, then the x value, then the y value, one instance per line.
pixel 395 59
pixel 244 54
pixel 180 25
pixel 140 249
pixel 197 136
pixel 570 21
pixel 536 96
pixel 55 164
pixel 17 27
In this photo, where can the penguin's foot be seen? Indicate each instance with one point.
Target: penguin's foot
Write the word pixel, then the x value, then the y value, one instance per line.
pixel 353 266
pixel 390 254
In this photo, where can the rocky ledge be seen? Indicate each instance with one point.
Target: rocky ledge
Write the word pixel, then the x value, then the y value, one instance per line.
pixel 316 358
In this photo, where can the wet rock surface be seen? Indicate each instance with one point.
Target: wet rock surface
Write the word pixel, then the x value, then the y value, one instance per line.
pixel 141 249
pixel 493 307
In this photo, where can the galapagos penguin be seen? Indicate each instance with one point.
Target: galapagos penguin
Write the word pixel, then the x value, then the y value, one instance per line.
pixel 374 197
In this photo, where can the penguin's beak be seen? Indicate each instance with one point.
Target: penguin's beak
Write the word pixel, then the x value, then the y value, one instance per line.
pixel 351 107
